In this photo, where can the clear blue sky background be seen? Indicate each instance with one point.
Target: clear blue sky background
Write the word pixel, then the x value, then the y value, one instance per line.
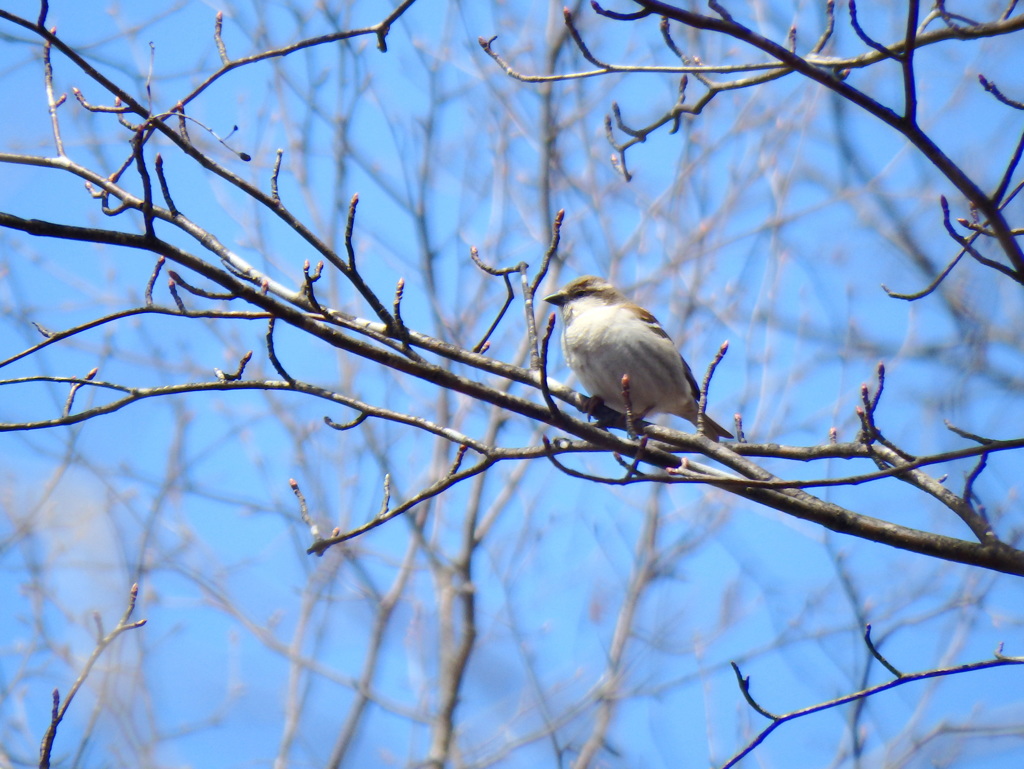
pixel 789 272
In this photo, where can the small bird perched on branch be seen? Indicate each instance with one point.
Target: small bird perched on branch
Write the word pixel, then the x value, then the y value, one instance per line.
pixel 606 337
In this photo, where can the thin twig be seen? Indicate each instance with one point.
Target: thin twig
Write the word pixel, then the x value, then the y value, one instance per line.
pixel 59 710
pixel 702 398
pixel 744 683
pixel 274 175
pixel 510 294
pixel 237 373
pixel 931 286
pixel 196 291
pixel 273 355
pixel 151 283
pixel 342 426
pixel 218 39
pixel 967 244
pixel 137 142
pixel 627 400
pixel 830 25
pixel 545 389
pixel 998 661
pixel 74 389
pixel 552 251
pixel 350 222
pixel 855 23
pixel 1004 183
pixel 632 470
pixel 907 62
pixel 969 436
pixel 53 103
pixel 968 495
pixel 397 308
pixel 877 654
pixel 314 530
pixel 165 190
pixel 578 39
pixel 993 89
pixel 504 273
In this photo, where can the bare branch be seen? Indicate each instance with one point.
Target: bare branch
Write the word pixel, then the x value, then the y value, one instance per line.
pixel 60 710
pixel 906 678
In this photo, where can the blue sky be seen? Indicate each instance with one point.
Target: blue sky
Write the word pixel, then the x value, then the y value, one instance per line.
pixel 751 224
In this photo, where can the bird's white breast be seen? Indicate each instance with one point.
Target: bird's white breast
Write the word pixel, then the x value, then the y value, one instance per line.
pixel 602 343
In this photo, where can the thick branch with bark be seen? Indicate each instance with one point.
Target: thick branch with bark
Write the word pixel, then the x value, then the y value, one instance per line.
pixel 380 348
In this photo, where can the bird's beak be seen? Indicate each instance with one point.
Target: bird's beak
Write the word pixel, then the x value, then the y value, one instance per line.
pixel 557 298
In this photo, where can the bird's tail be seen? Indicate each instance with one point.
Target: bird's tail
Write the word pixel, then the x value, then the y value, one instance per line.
pixel 713 430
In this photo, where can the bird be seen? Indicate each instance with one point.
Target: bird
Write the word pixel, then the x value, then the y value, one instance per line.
pixel 605 337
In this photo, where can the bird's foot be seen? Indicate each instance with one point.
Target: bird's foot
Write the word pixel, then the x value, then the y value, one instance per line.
pixel 591 404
